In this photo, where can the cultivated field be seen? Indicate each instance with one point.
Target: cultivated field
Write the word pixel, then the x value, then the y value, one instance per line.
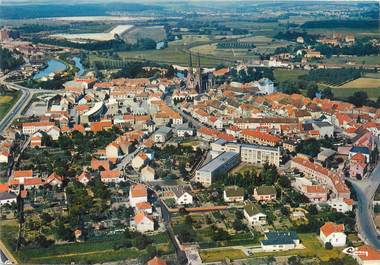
pixel 6 102
pixel 362 82
pixel 287 74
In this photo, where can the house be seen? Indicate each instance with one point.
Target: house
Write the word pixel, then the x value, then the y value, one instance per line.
pixel 97 163
pixel 7 198
pixel 255 136
pixel 113 150
pixel 333 233
pixel 367 255
pixel 341 206
pixel 254 214
pixel 54 180
pixel 280 241
pixel 145 207
pixel 156 261
pixel 147 174
pixel 233 194
pixel 143 222
pixel 264 193
pixel 111 176
pixel 54 132
pixel 140 160
pixel 137 193
pixel 315 193
pixel 162 134
pixel 23 174
pixel 83 178
pixel 182 197
pixel 358 165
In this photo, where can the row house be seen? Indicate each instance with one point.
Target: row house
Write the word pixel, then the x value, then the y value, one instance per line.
pixel 322 175
pixel 254 136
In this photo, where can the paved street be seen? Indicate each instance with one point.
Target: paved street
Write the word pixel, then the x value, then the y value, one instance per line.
pixel 22 102
pixel 365 190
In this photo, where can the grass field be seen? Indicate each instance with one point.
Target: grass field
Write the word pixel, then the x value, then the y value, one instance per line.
pixel 312 248
pixel 371 85
pixel 176 53
pixel 7 101
pixel 286 74
pixel 263 44
pixel 371 60
pixel 98 251
pixel 221 254
pixel 363 82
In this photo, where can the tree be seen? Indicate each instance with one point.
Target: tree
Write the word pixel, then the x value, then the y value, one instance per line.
pixel 238 225
pixel 312 90
pixel 328 245
pixel 327 93
pixel 359 98
pixel 220 235
pixel 170 73
pixel 294 260
pixel 309 147
pixel 284 181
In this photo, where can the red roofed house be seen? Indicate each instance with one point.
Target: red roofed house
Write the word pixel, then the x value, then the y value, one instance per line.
pixel 315 193
pixel 83 178
pixel 137 193
pixel 32 127
pixel 113 176
pixel 21 174
pixel 54 179
pixel 324 176
pixel 144 206
pixel 96 164
pixel 156 261
pixel 333 233
pixel 367 255
pixel 358 166
pixel 254 136
pixel 140 160
pixel 143 222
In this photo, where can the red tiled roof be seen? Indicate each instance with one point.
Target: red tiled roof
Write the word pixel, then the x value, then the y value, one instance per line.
pixel 330 227
pixel 156 261
pixel 260 135
pixel 139 190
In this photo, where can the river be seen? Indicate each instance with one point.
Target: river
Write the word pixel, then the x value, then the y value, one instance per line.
pixel 78 65
pixel 52 67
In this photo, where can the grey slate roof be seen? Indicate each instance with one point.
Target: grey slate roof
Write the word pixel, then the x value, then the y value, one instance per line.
pixel 280 238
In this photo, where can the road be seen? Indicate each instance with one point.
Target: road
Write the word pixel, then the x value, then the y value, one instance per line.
pixel 7 254
pixel 365 190
pixel 17 108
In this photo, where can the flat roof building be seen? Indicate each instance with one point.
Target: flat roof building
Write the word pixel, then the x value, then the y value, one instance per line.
pixel 222 163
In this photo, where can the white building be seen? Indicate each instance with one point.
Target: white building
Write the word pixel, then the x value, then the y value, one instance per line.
pixel 7 198
pixel 280 241
pixel 265 85
pixel 147 174
pixel 162 134
pixel 137 193
pixel 333 233
pixel 341 205
pixel 143 222
pixel 233 194
pixel 183 197
pixel 254 214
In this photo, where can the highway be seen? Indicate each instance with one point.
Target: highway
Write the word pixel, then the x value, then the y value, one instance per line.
pixel 17 108
pixel 365 190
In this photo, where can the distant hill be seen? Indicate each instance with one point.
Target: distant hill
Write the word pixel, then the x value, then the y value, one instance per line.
pixel 67 10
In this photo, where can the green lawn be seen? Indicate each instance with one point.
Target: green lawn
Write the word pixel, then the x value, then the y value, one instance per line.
pixel 98 251
pixel 287 74
pixel 221 254
pixel 7 100
pixel 313 248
